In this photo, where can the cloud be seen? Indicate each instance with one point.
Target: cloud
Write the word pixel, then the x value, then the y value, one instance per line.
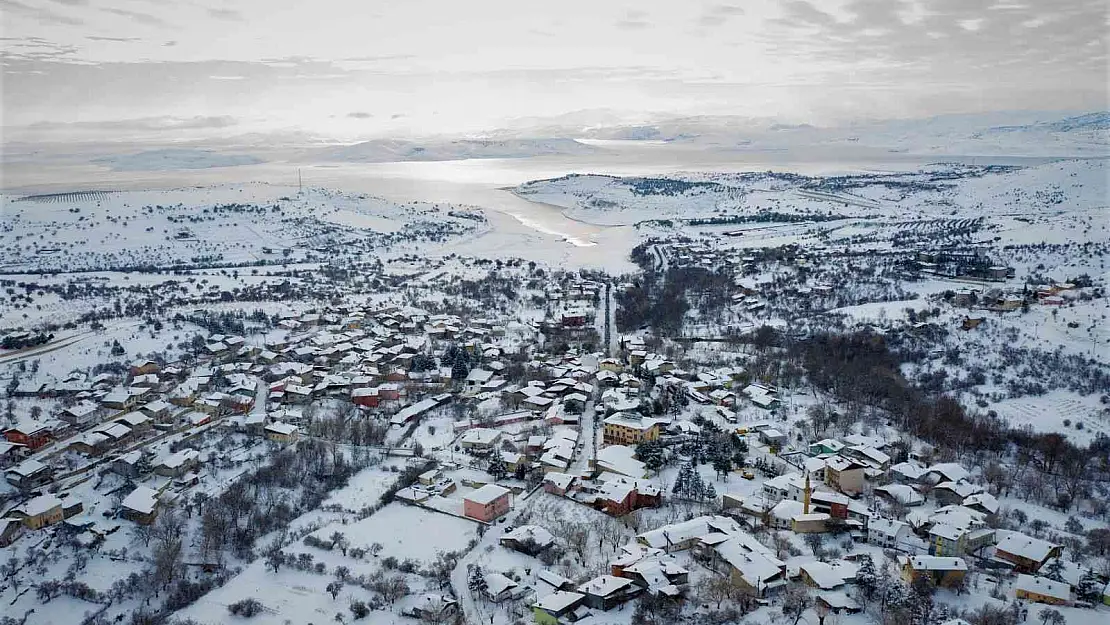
pixel 40 14
pixel 634 20
pixel 226 14
pixel 718 14
pixel 147 123
pixel 969 43
pixel 33 49
pixel 142 18
pixel 116 39
pixel 359 115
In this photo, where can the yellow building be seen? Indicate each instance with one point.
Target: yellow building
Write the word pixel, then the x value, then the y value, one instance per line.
pixel 622 429
pixel 1042 590
pixel 39 512
pixel 945 572
pixel 281 432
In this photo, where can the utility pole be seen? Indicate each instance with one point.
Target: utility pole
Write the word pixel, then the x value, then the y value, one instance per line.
pixel 300 187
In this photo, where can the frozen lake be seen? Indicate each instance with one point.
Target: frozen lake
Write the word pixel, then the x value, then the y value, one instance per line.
pixel 486 182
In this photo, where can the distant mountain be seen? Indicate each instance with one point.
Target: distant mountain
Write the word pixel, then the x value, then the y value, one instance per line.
pixel 393 150
pixel 1091 121
pixel 171 159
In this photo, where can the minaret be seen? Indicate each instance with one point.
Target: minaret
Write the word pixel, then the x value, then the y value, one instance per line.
pixel 808 491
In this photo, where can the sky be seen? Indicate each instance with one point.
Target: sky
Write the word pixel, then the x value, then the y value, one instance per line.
pixel 347 69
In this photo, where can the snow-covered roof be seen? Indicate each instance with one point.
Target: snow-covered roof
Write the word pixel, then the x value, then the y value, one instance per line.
pixel 935 563
pixel 1043 586
pixel 142 500
pixel 604 585
pixel 284 429
pixel 1023 546
pixel 40 504
pixel 950 471
pixel 487 494
pixel 887 527
pixel 409 412
pixel 559 601
pixel 481 436
pixel 27 468
pixel 560 480
pixel 826 576
pixel 496 583
pixel 620 459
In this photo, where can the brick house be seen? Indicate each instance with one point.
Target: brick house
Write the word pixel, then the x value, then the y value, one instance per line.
pixel 487 503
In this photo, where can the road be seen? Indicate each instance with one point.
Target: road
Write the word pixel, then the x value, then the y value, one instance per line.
pixel 588 436
pixel 612 340
pixel 61 342
pixel 660 258
pixel 261 396
pixel 475 612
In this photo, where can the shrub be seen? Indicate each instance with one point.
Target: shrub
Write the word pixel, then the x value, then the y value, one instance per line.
pixel 359 609
pixel 246 608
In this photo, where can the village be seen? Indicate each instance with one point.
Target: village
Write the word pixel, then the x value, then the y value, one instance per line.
pixel 553 487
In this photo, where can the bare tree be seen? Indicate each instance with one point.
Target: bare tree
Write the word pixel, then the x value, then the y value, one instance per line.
pixel 795 601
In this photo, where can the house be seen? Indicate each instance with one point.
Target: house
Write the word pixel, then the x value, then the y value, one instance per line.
pixel 80 414
pixel 129 465
pixel 949 493
pixel 956 540
pixel 480 440
pixel 498 587
pixel 429 608
pixel 629 429
pixel 144 367
pixel 621 460
pixel 845 475
pixel 1042 590
pixel 178 463
pixel 751 566
pixel 140 506
pixel 558 483
pixel 809 523
pixel 827 576
pixel 945 572
pixel 282 433
pixel 868 456
pixel 606 592
pixel 902 494
pixel 619 495
pixel 1026 553
pixel 39 512
pixel 29 474
pixel 772 438
pixel 947 471
pixel 11 453
pixel 838 602
pixel 366 397
pixel 11 528
pixel 476 378
pixel 825 446
pixel 528 539
pixel 890 534
pixel 136 421
pixel 487 503
pixel 684 535
pixel 30 433
pixel 408 413
pixel 552 608
pixel 159 410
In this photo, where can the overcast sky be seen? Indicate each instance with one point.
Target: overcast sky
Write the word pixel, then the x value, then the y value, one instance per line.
pixel 352 68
